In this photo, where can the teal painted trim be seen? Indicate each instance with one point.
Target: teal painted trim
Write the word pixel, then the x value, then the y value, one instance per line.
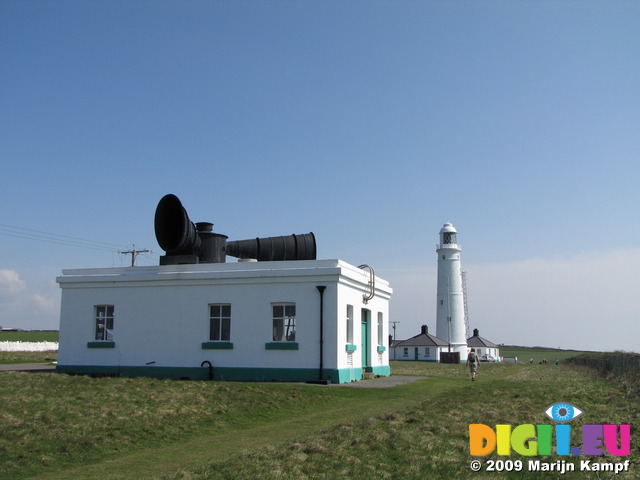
pixel 347 375
pixel 282 346
pixel 382 348
pixel 143 371
pixel 269 374
pixel 343 375
pixel 382 370
pixel 351 347
pixel 217 346
pixel 101 344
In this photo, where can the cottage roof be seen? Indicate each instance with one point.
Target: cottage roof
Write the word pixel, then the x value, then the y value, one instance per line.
pixel 478 341
pixel 424 339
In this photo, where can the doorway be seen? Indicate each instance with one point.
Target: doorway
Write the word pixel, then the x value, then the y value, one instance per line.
pixel 365 320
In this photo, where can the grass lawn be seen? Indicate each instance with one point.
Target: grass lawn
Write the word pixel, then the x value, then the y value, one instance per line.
pixel 525 354
pixel 65 427
pixel 28 357
pixel 29 336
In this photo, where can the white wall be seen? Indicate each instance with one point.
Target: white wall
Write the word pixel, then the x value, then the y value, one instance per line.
pixel 162 313
pixel 434 353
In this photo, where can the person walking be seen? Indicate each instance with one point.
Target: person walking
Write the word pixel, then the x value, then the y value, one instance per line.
pixel 472 362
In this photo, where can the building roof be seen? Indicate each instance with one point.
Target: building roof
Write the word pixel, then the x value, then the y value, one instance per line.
pixel 478 341
pixel 424 339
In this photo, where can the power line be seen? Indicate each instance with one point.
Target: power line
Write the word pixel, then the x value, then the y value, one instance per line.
pixel 55 238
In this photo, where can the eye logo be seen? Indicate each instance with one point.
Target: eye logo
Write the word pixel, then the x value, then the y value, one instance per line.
pixel 563 412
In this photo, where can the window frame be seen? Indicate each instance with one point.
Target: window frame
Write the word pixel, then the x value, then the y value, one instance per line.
pixel 288 321
pixel 350 324
pixel 104 323
pixel 222 317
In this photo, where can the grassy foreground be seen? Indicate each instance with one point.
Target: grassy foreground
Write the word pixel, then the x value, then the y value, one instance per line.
pixel 64 427
pixel 28 357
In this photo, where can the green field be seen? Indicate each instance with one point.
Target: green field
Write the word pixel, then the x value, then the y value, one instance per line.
pixel 28 357
pixel 66 427
pixel 537 354
pixel 29 336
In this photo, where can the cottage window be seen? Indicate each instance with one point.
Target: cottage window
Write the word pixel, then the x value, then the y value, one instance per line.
pixel 104 323
pixel 427 352
pixel 380 328
pixel 405 352
pixel 350 324
pixel 220 322
pixel 284 322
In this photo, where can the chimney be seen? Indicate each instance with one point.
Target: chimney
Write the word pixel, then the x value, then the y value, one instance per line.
pixel 476 332
pixel 425 330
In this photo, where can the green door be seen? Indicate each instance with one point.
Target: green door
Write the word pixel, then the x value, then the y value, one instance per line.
pixel 366 315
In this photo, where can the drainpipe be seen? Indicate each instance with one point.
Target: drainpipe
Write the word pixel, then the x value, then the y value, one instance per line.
pixel 321 289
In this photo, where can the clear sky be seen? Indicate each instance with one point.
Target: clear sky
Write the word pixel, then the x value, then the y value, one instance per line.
pixel 370 123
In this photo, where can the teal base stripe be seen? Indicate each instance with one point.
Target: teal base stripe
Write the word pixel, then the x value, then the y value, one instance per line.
pixel 281 346
pixel 347 375
pixel 343 375
pixel 101 344
pixel 144 371
pixel 217 346
pixel 382 370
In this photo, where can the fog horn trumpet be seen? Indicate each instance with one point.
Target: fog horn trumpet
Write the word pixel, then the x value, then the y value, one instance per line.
pixel 185 242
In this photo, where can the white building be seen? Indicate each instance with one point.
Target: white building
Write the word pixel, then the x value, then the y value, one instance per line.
pixel 263 321
pixel 483 346
pixel 450 325
pixel 423 347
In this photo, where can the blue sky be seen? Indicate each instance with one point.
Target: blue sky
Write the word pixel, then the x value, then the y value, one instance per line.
pixel 368 123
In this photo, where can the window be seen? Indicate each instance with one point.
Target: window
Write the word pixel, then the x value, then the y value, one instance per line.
pixel 405 352
pixel 380 329
pixel 284 322
pixel 349 323
pixel 219 322
pixel 427 352
pixel 104 323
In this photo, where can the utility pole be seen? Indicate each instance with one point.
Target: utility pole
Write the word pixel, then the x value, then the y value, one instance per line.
pixel 394 338
pixel 134 253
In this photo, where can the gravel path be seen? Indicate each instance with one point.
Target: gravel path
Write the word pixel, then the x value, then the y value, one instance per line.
pixel 27 367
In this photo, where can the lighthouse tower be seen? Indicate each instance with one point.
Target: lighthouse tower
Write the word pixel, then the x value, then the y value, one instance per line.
pixel 450 325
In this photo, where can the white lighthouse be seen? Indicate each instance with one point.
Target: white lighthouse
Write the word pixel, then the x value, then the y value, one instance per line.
pixel 450 325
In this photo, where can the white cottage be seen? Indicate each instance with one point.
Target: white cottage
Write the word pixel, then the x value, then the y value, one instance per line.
pixel 485 349
pixel 422 347
pixel 302 320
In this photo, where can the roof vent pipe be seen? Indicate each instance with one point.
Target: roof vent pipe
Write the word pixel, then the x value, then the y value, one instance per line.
pixel 372 284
